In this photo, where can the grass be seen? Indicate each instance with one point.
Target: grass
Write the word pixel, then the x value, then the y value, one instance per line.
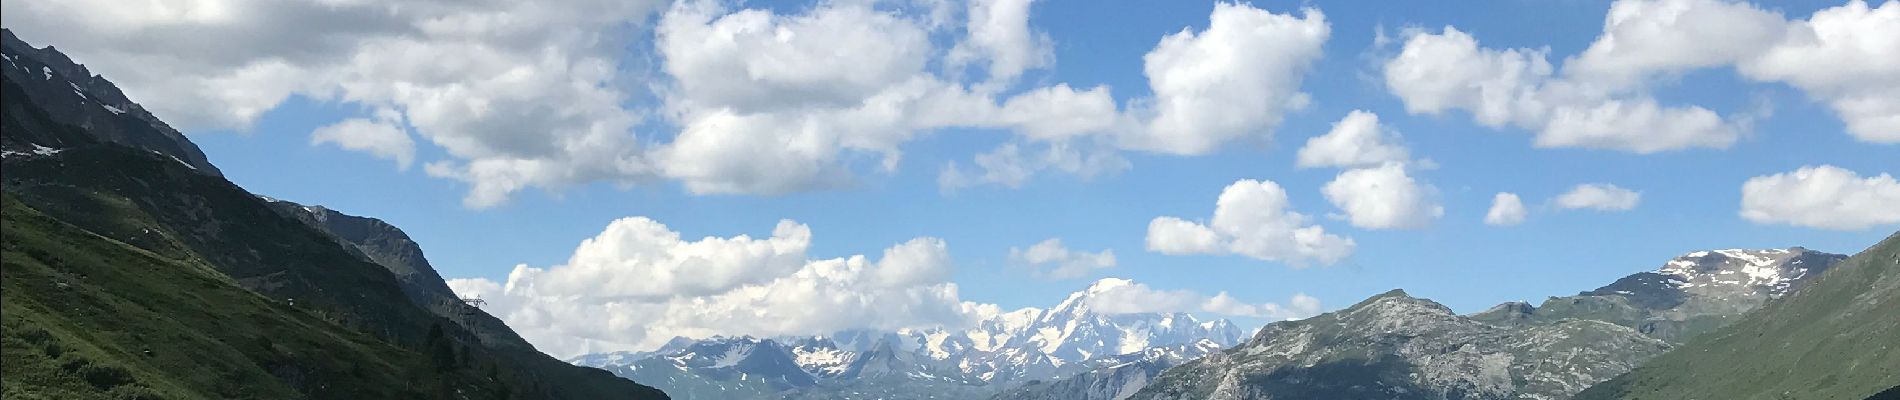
pixel 89 317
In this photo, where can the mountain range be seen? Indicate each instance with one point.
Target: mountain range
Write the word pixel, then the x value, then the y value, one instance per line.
pixel 1394 346
pixel 1009 349
pixel 1389 346
pixel 134 269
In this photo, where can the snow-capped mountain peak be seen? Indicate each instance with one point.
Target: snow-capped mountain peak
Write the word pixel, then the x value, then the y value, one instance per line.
pixel 1770 271
pixel 1000 350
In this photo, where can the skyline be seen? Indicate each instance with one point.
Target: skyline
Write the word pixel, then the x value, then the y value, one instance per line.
pixel 1313 121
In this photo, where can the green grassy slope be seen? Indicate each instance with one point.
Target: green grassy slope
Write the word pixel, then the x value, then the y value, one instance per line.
pixel 90 317
pixel 159 206
pixel 1839 338
pixel 162 207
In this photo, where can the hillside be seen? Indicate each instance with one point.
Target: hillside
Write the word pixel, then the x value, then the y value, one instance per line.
pixel 1839 338
pixel 142 192
pixel 90 317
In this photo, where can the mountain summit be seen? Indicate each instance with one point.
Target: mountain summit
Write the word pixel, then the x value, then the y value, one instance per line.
pixel 1833 339
pixel 1395 346
pixel 69 95
pixel 1689 295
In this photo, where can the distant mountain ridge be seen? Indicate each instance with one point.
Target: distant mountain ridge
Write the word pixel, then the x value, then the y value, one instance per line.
pixel 999 352
pixel 1394 346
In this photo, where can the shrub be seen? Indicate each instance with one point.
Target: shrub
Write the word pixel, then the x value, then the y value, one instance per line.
pixel 105 377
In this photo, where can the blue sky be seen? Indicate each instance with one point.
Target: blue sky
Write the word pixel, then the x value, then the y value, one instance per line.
pixel 1690 197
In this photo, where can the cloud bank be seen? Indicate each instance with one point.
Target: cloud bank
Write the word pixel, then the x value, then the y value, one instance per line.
pixel 1824 197
pixel 638 284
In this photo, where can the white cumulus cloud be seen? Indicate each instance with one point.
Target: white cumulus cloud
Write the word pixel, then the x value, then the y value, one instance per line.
pixel 1860 49
pixel 774 103
pixel 1601 97
pixel 1235 79
pixel 999 31
pixel 1506 210
pixel 1055 261
pixel 1384 197
pixel 1253 219
pixel 1599 196
pixel 1357 140
pixel 1825 197
pixel 1642 38
pixel 1439 72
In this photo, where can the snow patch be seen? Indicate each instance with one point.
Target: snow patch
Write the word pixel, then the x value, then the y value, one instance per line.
pixel 37 150
pixel 181 162
pixel 732 357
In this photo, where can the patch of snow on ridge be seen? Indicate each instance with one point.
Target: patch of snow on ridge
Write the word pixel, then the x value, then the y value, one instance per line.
pixel 1747 256
pixel 830 361
pixel 733 356
pixel 1762 274
pixel 37 150
pixel 181 162
pixel 1774 270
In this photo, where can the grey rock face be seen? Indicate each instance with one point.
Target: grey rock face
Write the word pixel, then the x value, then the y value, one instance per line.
pixel 1689 295
pixel 71 95
pixel 383 244
pixel 376 241
pixel 1393 346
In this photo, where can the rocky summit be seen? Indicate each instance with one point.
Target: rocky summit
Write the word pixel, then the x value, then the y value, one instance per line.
pixel 1397 346
pixel 1394 346
pixel 1691 294
pixel 1835 338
